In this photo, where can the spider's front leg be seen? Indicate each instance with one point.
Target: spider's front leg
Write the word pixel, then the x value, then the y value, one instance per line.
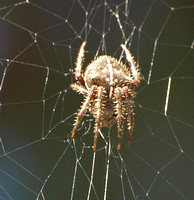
pixel 134 69
pixel 129 95
pixel 119 111
pixel 79 88
pixel 99 108
pixel 78 69
pixel 83 110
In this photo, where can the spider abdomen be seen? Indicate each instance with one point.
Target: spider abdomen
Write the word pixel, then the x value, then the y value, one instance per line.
pixel 105 69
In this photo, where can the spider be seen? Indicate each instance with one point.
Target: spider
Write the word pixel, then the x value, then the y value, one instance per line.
pixel 109 90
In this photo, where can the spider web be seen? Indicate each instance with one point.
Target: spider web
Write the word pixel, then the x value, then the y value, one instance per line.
pixel 39 42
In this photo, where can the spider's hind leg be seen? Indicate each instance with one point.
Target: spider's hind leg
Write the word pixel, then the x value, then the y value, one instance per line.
pixel 133 68
pixel 79 63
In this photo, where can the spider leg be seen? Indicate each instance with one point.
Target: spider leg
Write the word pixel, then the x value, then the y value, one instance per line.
pixel 129 104
pixel 99 105
pixel 79 88
pixel 82 111
pixel 119 111
pixel 78 69
pixel 134 69
pixel 130 125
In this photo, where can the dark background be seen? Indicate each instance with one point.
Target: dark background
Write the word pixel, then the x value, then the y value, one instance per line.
pixel 39 42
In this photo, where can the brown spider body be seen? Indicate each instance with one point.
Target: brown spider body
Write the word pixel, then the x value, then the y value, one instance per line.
pixel 96 74
pixel 108 86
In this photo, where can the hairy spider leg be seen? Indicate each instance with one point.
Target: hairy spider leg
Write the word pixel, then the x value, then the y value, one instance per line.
pixel 79 88
pixel 133 68
pixel 79 63
pixel 130 125
pixel 130 113
pixel 83 110
pixel 119 111
pixel 99 112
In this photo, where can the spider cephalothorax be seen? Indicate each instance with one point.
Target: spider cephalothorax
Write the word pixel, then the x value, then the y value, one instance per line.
pixel 109 89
